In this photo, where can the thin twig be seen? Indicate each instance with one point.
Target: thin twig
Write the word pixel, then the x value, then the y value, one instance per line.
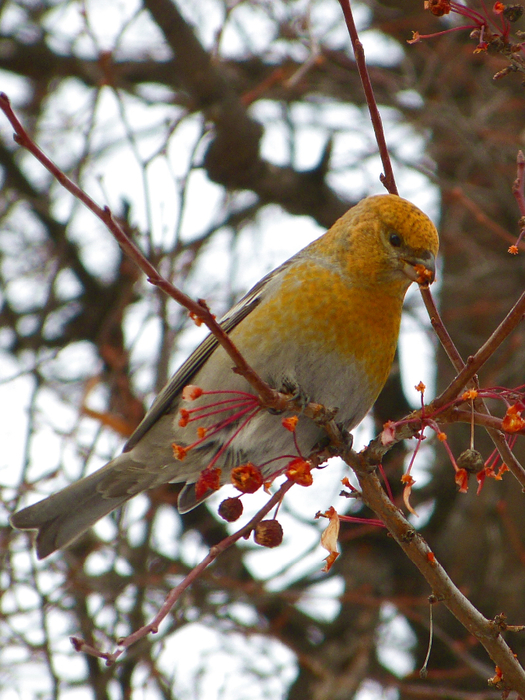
pixel 476 361
pixel 518 190
pixel 483 417
pixel 175 593
pixel 440 330
pixel 413 544
pixel 519 183
pixel 387 178
pixel 270 397
pixel 479 215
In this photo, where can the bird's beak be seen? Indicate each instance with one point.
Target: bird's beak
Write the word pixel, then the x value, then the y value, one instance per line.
pixel 420 268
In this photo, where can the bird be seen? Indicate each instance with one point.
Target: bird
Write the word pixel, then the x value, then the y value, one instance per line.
pixel 323 326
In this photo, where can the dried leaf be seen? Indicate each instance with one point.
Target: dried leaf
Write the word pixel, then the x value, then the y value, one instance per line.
pixel 329 538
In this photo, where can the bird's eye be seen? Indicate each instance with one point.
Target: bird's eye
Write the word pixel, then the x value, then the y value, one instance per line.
pixel 394 240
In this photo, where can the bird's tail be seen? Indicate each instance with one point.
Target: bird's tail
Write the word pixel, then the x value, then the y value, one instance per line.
pixel 64 516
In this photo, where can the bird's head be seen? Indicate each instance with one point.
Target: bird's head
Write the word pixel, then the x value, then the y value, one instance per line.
pixel 410 240
pixel 390 240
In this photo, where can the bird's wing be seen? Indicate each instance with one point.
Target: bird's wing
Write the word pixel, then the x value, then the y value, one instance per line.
pixel 195 361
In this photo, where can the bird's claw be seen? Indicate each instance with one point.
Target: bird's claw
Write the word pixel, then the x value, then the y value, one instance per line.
pixel 296 393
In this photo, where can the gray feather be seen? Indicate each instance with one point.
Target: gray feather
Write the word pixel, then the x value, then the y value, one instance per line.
pixel 65 515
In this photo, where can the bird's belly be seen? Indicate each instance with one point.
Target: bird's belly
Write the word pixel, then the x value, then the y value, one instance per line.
pixel 258 436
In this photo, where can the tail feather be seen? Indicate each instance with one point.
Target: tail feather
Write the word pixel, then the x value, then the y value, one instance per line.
pixel 64 516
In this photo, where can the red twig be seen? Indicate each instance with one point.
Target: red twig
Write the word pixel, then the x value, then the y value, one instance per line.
pixel 440 330
pixel 518 192
pixel 467 375
pixel 483 419
pixel 457 194
pixel 270 397
pixel 476 361
pixel 487 632
pixel 387 178
pixel 517 187
pixel 174 595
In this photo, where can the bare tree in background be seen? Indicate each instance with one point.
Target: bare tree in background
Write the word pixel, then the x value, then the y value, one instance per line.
pixel 216 101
